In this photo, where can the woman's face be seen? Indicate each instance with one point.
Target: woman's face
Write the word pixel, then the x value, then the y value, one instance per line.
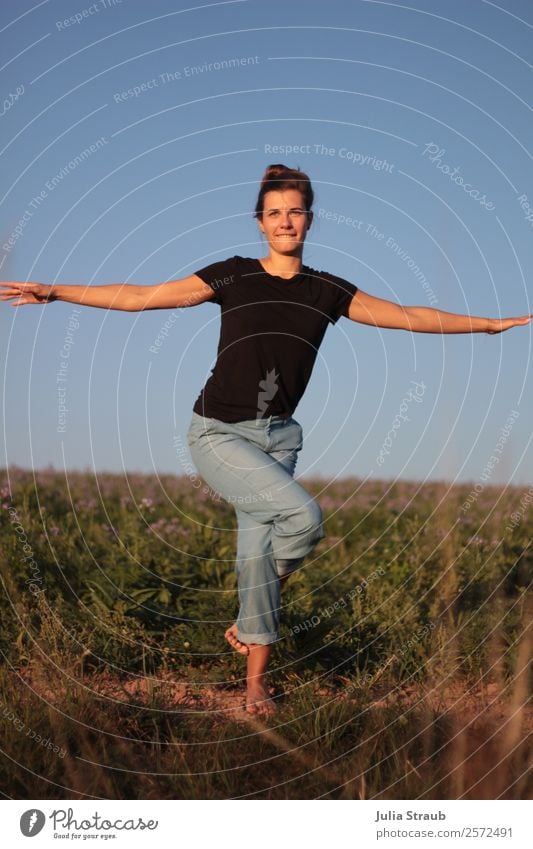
pixel 284 221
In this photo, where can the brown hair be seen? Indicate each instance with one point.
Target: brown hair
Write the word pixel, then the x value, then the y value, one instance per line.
pixel 278 178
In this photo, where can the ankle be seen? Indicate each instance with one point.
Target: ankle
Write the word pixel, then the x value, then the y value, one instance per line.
pixel 257 688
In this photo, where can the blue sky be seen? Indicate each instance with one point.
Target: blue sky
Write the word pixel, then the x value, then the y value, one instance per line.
pixel 132 152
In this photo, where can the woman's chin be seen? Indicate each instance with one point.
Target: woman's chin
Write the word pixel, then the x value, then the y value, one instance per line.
pixel 286 246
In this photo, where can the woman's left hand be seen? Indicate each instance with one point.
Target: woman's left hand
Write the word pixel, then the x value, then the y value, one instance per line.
pixel 497 325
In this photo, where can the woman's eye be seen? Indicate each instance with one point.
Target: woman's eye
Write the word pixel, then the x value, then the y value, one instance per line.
pixel 294 213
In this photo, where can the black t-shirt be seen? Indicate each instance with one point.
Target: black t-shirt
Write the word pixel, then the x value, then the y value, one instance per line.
pixel 271 330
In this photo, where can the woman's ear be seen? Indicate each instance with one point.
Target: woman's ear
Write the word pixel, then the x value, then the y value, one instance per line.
pixel 309 219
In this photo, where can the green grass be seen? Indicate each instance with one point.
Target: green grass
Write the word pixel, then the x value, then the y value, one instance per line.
pixel 412 683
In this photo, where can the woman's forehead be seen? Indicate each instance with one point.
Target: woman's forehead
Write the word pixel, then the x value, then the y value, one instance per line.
pixel 283 199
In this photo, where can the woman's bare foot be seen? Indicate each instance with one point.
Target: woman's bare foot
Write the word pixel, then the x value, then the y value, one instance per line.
pixel 233 640
pixel 258 701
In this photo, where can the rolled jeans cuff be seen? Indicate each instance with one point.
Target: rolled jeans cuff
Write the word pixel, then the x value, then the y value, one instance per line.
pixel 260 639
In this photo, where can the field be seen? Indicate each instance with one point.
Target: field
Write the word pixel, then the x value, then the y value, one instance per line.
pixel 402 672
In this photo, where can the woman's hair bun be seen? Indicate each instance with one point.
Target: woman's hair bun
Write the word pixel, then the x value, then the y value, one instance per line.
pixel 272 172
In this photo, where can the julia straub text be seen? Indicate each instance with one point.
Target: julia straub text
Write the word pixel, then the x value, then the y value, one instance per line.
pixel 409 815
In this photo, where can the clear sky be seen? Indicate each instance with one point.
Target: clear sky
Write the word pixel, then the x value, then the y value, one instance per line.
pixel 134 138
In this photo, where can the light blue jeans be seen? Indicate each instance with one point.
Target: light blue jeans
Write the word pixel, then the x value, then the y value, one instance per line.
pixel 251 465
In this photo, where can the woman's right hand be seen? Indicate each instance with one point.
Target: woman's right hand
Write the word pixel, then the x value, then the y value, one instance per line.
pixel 27 293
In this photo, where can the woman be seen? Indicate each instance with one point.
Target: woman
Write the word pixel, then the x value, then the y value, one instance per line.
pixel 242 436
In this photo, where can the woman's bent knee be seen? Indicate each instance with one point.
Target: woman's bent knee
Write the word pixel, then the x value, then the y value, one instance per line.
pixel 312 517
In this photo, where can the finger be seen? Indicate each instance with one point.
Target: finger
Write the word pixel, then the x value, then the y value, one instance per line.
pixel 22 288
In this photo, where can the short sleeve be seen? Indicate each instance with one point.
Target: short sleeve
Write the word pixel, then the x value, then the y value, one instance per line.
pixel 219 275
pixel 341 293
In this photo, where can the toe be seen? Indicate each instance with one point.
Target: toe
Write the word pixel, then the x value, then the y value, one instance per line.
pixel 259 710
pixel 234 641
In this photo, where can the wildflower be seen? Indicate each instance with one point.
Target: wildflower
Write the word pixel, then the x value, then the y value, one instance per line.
pixel 476 540
pixel 146 503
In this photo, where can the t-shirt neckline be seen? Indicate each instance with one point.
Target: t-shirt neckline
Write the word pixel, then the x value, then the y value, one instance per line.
pixel 277 277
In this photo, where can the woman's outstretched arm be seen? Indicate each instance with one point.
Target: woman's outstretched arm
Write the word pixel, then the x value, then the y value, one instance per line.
pixel 367 309
pixel 115 296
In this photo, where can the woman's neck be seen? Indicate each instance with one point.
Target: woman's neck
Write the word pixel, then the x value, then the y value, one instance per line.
pixel 282 266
